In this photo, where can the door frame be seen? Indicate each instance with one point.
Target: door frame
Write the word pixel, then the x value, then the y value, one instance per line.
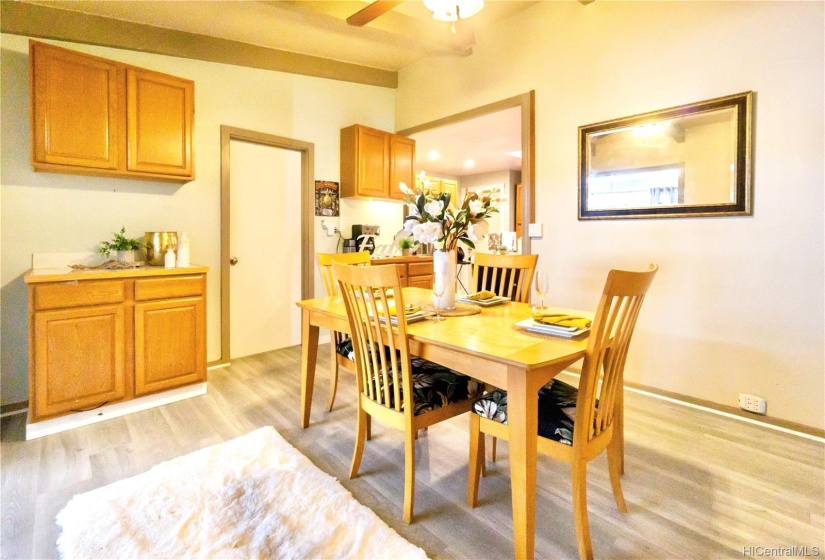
pixel 307 151
pixel 527 102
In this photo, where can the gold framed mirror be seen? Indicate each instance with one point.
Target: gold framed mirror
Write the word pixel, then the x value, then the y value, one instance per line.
pixel 691 160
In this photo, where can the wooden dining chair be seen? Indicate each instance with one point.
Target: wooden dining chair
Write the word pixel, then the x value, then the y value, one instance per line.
pixel 339 343
pixel 506 275
pixel 576 425
pixel 403 391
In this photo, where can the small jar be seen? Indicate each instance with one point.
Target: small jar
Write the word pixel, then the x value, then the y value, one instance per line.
pixel 169 259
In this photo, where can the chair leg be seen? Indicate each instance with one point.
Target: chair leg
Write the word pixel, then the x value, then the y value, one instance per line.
pixel 493 449
pixel 409 475
pixel 476 463
pixel 369 428
pixel 614 462
pixel 579 472
pixel 333 371
pixel 618 434
pixel 360 436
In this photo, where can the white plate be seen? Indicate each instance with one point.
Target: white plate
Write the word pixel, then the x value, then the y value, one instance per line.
pixel 567 332
pixel 484 302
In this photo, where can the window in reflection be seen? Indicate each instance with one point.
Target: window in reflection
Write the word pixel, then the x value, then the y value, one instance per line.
pixel 656 186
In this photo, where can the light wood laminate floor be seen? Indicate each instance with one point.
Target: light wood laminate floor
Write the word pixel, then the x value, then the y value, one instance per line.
pixel 697 485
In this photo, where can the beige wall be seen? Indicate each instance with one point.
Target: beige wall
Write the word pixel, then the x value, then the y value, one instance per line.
pixel 738 304
pixel 46 212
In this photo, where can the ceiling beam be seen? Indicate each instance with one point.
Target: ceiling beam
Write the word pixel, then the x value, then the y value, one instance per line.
pixel 30 20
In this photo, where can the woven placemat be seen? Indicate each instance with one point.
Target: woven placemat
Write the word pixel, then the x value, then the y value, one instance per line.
pixel 461 309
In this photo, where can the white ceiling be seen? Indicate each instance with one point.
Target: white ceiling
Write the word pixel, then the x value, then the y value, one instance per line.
pixel 485 139
pixel 316 27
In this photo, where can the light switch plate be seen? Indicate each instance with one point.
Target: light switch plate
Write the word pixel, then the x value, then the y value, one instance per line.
pixel 535 230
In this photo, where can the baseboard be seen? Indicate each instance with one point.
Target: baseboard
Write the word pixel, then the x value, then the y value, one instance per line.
pixel 13 408
pixel 767 421
pixel 77 419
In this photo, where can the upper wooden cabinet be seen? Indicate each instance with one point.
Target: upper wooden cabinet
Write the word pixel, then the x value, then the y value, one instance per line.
pixel 94 116
pixel 374 162
pixel 438 185
pixel 159 116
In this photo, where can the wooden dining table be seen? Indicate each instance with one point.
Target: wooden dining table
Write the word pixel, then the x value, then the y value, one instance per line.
pixel 486 346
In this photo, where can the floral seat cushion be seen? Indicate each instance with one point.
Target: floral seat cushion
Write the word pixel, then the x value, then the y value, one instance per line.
pixel 344 348
pixel 557 410
pixel 434 385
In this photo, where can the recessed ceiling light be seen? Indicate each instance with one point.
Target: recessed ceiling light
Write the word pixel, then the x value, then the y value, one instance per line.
pixel 468 163
pixel 517 154
pixel 433 155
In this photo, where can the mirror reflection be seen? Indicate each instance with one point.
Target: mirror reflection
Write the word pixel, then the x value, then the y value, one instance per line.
pixel 687 160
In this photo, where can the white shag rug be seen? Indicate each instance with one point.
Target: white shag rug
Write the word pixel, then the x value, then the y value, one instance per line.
pixel 255 496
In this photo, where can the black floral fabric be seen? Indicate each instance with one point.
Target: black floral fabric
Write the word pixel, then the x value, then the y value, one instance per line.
pixel 557 410
pixel 434 385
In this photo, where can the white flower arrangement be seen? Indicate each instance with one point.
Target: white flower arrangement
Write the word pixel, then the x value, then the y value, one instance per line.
pixel 431 220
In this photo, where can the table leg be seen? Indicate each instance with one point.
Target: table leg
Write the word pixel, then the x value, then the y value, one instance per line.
pixel 309 355
pixel 522 419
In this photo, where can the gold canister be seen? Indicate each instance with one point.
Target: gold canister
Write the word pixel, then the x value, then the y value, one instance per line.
pixel 157 243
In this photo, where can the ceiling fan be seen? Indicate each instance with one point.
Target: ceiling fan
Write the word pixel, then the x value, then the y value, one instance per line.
pixel 455 11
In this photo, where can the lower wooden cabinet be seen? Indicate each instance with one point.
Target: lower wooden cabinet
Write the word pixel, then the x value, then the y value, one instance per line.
pixel 79 358
pixel 412 271
pixel 102 337
pixel 169 344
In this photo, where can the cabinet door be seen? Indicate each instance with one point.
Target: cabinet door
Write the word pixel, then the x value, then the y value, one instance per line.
pixel 74 108
pixel 402 159
pixel 78 359
pixel 170 344
pixel 451 186
pixel 425 282
pixel 372 162
pixel 159 117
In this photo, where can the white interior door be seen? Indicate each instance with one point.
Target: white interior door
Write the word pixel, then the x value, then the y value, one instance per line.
pixel 265 238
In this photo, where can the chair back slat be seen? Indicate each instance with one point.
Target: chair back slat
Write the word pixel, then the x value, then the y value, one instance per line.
pixel 603 368
pixel 325 261
pixel 382 357
pixel 505 275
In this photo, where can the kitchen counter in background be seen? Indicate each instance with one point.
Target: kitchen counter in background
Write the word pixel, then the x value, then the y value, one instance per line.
pixel 413 270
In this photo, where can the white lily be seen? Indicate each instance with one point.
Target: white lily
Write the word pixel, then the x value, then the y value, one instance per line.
pixel 434 208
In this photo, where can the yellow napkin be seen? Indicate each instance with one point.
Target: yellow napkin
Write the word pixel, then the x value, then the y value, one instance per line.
pixel 409 309
pixel 562 320
pixel 482 295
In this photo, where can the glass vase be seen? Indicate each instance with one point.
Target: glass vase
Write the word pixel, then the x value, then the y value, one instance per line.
pixel 444 267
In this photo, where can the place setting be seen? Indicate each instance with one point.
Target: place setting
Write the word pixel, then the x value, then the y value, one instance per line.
pixel 549 321
pixel 484 298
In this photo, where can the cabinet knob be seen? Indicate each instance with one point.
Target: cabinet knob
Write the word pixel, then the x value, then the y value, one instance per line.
pixel 233 260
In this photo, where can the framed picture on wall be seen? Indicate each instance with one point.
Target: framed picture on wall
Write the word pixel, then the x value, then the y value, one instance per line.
pixel 326 199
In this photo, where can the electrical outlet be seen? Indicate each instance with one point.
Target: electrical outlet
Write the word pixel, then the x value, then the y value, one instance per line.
pixel 752 403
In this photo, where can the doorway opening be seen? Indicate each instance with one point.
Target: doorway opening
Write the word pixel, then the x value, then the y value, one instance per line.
pixel 523 193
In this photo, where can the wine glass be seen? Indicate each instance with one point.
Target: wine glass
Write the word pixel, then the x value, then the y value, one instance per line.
pixel 438 291
pixel 542 286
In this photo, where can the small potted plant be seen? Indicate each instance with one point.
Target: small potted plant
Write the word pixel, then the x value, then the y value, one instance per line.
pixel 123 246
pixel 406 244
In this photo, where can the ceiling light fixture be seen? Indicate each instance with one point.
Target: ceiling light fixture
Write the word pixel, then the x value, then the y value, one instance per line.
pixel 469 163
pixel 453 10
pixel 433 155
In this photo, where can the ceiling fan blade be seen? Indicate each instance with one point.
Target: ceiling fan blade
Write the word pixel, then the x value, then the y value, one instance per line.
pixel 371 11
